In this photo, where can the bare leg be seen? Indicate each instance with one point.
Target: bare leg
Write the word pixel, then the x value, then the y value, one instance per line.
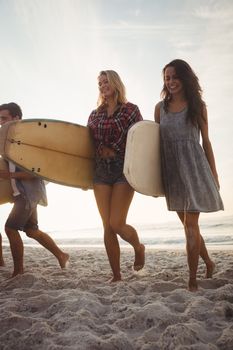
pixel 113 251
pixel 113 203
pixel 16 246
pixel 210 265
pixel 103 195
pixel 122 196
pixel 193 246
pixel 46 241
pixel 203 252
pixel 1 256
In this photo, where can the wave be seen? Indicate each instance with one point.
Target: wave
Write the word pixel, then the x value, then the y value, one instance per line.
pixel 168 234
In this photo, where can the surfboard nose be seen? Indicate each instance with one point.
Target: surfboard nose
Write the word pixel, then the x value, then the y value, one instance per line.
pixel 4 130
pixel 3 133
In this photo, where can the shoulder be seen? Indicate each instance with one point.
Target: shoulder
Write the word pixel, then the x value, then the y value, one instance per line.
pixel 158 105
pixel 157 111
pixel 93 112
pixel 132 112
pixel 93 115
pixel 129 106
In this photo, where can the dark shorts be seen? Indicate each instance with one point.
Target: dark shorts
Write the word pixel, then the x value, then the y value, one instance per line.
pixel 109 171
pixel 22 218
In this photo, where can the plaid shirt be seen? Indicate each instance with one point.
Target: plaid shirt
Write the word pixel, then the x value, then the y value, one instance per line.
pixel 112 131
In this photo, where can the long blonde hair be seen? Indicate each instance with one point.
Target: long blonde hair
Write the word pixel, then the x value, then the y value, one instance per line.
pixel 118 86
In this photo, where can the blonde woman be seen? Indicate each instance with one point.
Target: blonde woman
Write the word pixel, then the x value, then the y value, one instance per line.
pixel 109 124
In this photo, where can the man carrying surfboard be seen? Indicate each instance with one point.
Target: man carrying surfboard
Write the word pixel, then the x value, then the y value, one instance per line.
pixel 109 124
pixel 28 192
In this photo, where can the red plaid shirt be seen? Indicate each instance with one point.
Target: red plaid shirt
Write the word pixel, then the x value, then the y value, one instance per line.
pixel 112 131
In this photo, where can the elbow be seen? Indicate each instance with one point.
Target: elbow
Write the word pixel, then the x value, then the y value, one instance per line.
pixel 207 146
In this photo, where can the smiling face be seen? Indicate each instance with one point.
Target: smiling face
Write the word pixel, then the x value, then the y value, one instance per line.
pixel 172 82
pixel 105 87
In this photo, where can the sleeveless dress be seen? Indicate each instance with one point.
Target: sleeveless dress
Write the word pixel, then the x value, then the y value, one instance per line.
pixel 188 180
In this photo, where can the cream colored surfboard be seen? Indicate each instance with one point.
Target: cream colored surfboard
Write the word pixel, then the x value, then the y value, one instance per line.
pixel 5 185
pixel 142 166
pixel 55 150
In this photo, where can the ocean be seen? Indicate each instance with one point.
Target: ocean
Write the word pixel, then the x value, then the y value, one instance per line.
pixel 218 234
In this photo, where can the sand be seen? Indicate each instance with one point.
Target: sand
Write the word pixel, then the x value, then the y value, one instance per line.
pixel 76 308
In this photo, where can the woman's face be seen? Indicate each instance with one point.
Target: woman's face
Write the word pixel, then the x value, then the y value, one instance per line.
pixel 172 82
pixel 104 87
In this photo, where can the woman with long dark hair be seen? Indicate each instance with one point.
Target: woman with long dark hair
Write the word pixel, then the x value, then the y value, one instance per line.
pixel 189 172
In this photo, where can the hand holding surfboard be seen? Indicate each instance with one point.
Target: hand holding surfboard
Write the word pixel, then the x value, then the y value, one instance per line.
pixel 5 185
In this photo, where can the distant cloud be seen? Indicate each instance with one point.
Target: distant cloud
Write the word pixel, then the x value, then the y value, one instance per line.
pixel 215 10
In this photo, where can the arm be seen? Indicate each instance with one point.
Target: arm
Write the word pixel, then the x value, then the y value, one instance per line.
pixel 206 144
pixel 157 112
pixel 21 175
pixel 132 116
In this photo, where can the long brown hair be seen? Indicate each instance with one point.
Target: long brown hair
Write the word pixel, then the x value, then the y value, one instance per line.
pixel 191 86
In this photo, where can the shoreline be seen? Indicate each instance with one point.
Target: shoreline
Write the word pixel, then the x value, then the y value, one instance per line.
pixel 163 247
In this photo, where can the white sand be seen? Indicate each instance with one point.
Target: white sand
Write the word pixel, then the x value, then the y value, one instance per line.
pixel 50 308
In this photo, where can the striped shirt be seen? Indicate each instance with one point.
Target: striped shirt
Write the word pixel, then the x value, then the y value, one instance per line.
pixel 111 131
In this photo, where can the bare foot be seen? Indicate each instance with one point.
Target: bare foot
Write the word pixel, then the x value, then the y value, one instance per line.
pixel 139 258
pixel 115 279
pixel 192 284
pixel 210 269
pixel 63 260
pixel 17 272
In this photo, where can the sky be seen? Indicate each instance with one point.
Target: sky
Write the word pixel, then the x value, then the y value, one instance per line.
pixel 53 50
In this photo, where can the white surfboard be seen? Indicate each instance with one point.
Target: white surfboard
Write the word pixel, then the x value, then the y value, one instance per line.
pixel 6 195
pixel 55 150
pixel 142 167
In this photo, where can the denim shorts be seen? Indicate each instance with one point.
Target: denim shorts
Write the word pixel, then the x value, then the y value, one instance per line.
pixel 21 217
pixel 109 171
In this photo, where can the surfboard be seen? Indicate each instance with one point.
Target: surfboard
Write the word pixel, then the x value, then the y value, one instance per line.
pixel 58 151
pixel 5 185
pixel 142 166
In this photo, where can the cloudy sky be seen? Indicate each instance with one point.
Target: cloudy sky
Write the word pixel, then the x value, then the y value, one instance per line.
pixel 52 51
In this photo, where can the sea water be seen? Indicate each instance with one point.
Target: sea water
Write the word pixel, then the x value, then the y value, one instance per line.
pixel 218 234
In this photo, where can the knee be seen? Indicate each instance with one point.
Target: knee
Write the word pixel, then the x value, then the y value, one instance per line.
pixel 122 230
pixel 108 231
pixel 192 233
pixel 189 230
pixel 9 231
pixel 30 233
pixel 116 225
pixel 106 226
pixel 191 226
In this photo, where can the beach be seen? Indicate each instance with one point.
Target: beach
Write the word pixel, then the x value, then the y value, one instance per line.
pixel 77 308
